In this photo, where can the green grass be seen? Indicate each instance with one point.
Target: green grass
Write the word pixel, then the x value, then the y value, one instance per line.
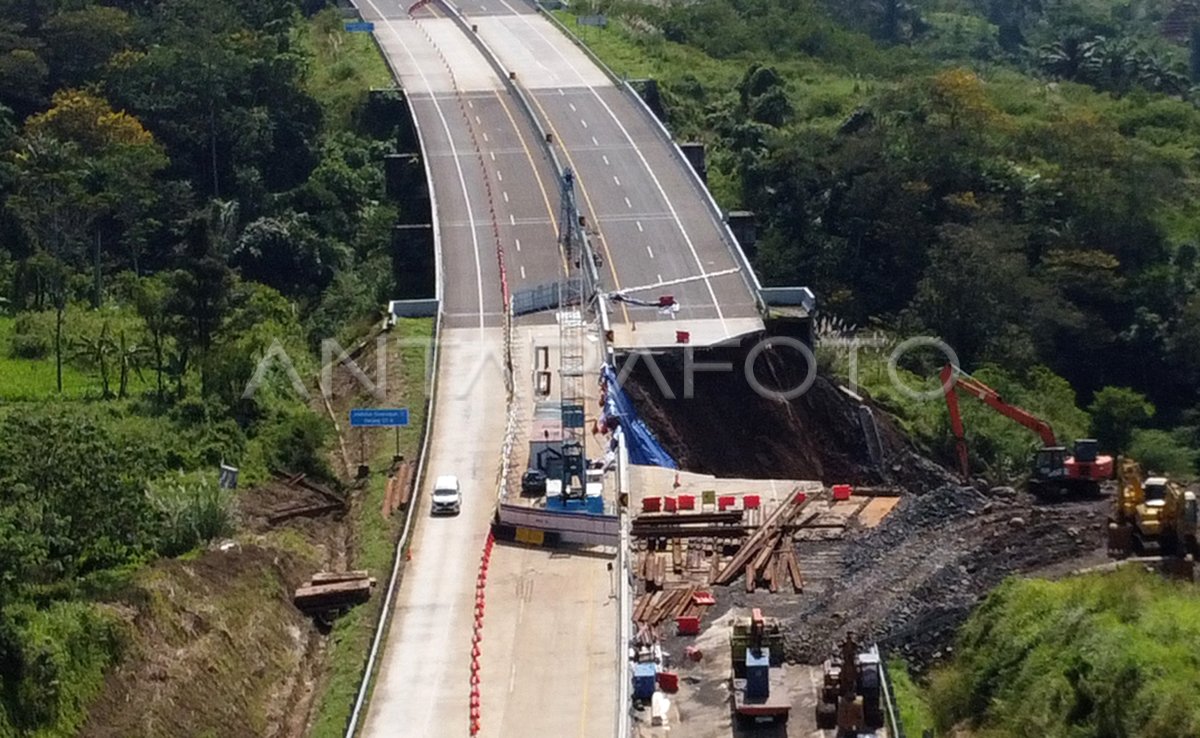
pixel 915 715
pixel 69 645
pixel 345 66
pixel 1097 655
pixel 350 641
pixel 34 379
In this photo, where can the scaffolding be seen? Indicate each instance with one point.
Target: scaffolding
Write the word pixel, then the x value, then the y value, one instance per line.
pixel 571 335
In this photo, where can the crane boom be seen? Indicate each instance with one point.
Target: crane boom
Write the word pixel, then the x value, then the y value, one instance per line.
pixel 954 380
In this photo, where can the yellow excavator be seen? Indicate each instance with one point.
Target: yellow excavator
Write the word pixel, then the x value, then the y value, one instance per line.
pixel 1152 515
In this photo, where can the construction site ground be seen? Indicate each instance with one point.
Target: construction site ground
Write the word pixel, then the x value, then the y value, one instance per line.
pixel 901 562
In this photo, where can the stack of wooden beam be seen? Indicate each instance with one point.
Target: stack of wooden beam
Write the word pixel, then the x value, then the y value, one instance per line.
pixel 326 500
pixel 399 489
pixel 656 607
pixel 330 591
pixel 768 555
pixel 689 525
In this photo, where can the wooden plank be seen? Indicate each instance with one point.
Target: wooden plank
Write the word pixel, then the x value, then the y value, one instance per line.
pixel 683 602
pixel 660 574
pixel 310 511
pixel 781 514
pixel 707 518
pixel 794 569
pixel 876 510
pixel 679 531
pixel 329 577
pixel 328 596
pixel 404 485
pixel 765 553
pixel 750 579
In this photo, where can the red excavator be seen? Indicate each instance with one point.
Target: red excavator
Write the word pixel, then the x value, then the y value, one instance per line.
pixel 1055 471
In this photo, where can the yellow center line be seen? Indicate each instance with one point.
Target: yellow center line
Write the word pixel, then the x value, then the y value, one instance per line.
pixel 579 180
pixel 536 175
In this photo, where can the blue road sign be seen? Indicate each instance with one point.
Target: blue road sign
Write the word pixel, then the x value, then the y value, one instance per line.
pixel 361 27
pixel 379 417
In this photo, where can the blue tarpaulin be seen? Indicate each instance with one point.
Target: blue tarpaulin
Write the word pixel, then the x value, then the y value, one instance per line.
pixel 644 448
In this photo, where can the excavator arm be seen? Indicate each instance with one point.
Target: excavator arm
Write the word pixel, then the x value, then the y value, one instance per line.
pixel 954 380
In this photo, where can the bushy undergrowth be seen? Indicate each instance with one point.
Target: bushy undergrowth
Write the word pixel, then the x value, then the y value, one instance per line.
pixel 1098 655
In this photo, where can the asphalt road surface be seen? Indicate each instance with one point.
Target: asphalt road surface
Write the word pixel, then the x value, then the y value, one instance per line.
pixel 654 227
pixel 494 189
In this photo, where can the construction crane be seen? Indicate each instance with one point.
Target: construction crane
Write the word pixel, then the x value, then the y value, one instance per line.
pixel 1055 471
pixel 1154 515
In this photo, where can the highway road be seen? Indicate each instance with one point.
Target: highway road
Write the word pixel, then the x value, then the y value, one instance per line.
pixel 654 226
pixel 493 187
pixel 549 660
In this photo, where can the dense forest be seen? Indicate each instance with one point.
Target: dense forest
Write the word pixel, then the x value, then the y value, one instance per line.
pixel 182 184
pixel 1015 177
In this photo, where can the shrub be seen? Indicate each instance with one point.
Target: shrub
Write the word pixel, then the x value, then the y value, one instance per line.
pixel 1096 655
pixel 54 661
pixel 1161 451
pixel 193 511
pixel 30 338
pixel 295 441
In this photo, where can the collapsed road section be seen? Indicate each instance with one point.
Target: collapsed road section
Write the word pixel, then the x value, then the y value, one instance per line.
pixel 817 511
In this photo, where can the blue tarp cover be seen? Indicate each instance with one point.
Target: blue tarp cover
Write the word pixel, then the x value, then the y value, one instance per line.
pixel 643 447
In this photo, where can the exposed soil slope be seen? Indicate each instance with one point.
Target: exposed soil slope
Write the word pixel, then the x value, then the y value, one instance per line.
pixel 728 429
pixel 216 648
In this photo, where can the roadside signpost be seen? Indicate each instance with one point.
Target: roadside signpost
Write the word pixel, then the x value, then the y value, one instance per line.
pixel 360 27
pixel 365 417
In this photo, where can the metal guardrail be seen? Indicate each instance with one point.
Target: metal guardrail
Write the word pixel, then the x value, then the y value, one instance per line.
pixel 714 209
pixel 624 600
pixel 895 726
pixel 364 689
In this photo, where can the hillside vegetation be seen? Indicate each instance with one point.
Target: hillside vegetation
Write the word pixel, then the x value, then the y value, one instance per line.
pixel 1017 178
pixel 1097 655
pixel 185 188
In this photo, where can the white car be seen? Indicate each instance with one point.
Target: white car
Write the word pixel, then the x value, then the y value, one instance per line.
pixel 447 496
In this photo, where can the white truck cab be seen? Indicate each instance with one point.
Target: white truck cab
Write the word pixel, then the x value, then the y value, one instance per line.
pixel 447 496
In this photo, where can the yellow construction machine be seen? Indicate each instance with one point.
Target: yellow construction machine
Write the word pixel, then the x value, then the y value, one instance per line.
pixel 1151 515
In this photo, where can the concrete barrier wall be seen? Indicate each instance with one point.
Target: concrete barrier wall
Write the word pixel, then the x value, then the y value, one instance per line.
pixel 413 308
pixel 801 296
